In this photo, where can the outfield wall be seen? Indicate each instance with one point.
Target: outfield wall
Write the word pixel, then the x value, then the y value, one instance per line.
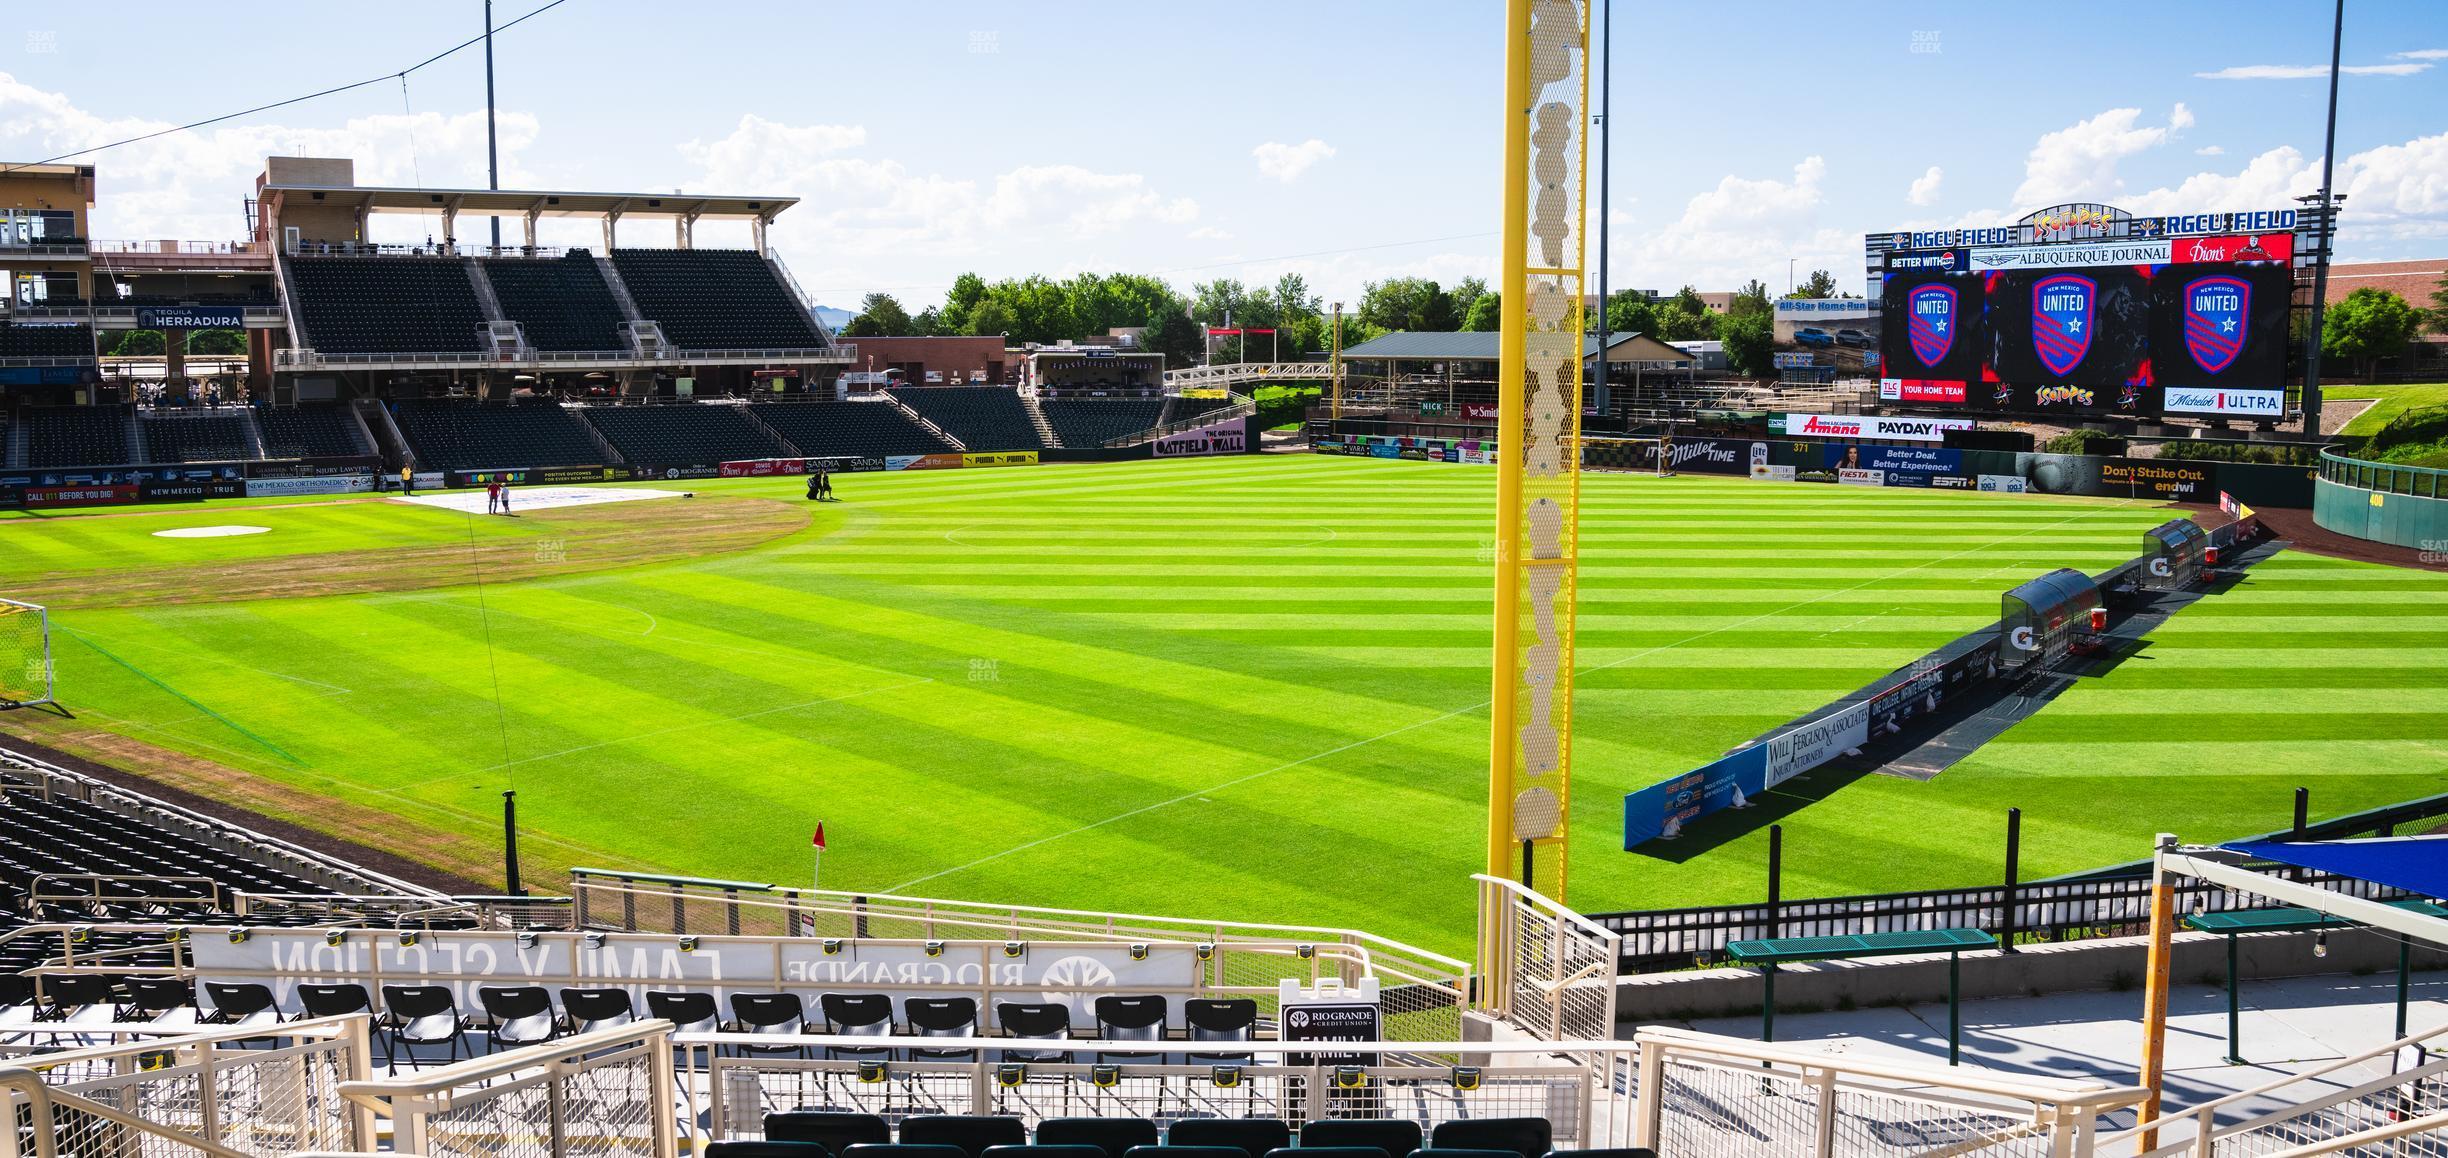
pixel 2383 502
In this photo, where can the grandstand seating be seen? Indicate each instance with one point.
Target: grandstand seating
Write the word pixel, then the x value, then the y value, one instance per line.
pixel 386 305
pixel 471 436
pixel 309 432
pixel 19 340
pixel 77 436
pixel 198 438
pixel 711 299
pixel 1093 422
pixel 982 417
pixel 564 304
pixel 1193 407
pixel 684 435
pixel 849 428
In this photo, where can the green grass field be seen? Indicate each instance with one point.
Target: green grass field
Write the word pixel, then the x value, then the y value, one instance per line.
pixel 2387 402
pixel 1247 688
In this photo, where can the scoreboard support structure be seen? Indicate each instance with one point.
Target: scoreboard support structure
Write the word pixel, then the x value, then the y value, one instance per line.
pixel 1546 152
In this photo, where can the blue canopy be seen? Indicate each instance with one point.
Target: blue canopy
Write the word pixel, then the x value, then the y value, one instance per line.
pixel 2417 864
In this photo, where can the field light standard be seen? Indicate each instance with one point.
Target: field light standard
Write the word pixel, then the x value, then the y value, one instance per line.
pixel 492 153
pixel 2327 203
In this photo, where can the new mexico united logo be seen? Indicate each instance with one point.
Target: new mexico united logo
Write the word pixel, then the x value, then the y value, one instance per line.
pixel 2214 312
pixel 2061 320
pixel 1930 321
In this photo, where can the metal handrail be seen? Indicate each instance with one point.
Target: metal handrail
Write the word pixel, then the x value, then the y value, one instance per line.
pixel 2205 1113
pixel 298 357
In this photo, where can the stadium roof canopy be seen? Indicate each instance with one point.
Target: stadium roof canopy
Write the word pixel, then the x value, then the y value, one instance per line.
pixel 1481 346
pixel 520 202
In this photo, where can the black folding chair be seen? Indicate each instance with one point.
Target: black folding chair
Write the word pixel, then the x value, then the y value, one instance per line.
pixel 857 1015
pixel 319 1000
pixel 1035 1021
pixel 942 1017
pixel 240 1005
pixel 518 1015
pixel 777 1014
pixel 1132 1018
pixel 1216 1019
pixel 589 1010
pixel 420 1015
pixel 155 998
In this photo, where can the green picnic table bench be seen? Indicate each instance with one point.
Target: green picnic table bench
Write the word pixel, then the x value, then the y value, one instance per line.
pixel 1775 951
pixel 2289 919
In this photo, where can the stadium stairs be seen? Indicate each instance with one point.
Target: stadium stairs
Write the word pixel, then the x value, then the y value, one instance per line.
pixel 986 418
pixel 1095 422
pixel 1037 418
pixel 14 455
pixel 850 429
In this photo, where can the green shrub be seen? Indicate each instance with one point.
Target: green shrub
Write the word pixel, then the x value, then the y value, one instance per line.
pixel 2085 442
pixel 2426 426
pixel 2282 455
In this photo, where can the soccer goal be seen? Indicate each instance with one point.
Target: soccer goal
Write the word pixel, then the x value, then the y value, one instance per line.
pixel 25 655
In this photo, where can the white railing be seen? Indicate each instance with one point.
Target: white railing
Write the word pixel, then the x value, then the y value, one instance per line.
pixel 2371 1091
pixel 1733 1098
pixel 227 1092
pixel 1580 1089
pixel 176 247
pixel 301 358
pixel 1543 968
pixel 1232 372
pixel 609 1092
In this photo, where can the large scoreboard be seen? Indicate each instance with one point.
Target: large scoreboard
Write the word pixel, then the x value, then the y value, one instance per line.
pixel 2087 311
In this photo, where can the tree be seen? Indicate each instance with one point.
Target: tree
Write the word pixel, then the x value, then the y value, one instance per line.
pixel 219 343
pixel 967 291
pixel 1466 294
pixel 1820 284
pixel 927 324
pixel 1176 337
pixel 1213 303
pixel 2370 324
pixel 2436 318
pixel 1407 303
pixel 1751 299
pixel 1750 340
pixel 139 344
pixel 990 318
pixel 1486 313
pixel 1630 312
pixel 880 315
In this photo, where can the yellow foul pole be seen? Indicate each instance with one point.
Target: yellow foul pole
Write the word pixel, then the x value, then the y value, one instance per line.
pixel 1538 438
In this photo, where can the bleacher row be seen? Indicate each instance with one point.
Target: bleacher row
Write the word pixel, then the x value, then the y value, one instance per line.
pixel 702 299
pixel 73 436
pixel 72 842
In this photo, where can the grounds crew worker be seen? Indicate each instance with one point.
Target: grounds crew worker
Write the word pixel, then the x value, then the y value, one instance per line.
pixel 407 480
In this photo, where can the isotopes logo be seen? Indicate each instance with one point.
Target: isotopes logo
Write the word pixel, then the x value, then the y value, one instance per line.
pixel 2061 320
pixel 2062 396
pixel 1931 312
pixel 2214 311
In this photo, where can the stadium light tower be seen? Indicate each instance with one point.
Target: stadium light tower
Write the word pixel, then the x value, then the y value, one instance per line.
pixel 2327 208
pixel 492 152
pixel 1546 153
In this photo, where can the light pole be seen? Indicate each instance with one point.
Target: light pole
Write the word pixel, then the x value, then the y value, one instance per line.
pixel 2328 232
pixel 1335 365
pixel 1606 133
pixel 1789 277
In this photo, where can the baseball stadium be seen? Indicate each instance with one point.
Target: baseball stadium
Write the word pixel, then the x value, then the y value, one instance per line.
pixel 537 699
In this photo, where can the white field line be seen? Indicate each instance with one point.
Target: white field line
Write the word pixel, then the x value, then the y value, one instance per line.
pixel 1096 824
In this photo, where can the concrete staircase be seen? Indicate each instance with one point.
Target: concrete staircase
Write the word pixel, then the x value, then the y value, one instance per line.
pixel 1037 418
pixel 918 418
pixel 14 456
pixel 137 451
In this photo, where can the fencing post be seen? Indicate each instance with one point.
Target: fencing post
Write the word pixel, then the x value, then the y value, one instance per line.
pixel 1776 878
pixel 2303 810
pixel 2014 863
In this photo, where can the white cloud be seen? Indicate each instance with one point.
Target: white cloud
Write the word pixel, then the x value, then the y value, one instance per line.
pixel 1741 229
pixel 861 215
pixel 2422 54
pixel 186 185
pixel 1286 163
pixel 2210 151
pixel 2394 193
pixel 2320 71
pixel 1925 187
pixel 1208 233
pixel 2079 162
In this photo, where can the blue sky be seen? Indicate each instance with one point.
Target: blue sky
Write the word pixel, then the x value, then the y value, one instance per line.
pixel 1346 141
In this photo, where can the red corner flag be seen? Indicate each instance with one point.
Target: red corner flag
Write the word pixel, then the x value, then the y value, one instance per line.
pixel 818 839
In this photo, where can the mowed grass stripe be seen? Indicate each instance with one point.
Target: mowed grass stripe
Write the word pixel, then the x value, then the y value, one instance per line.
pixel 1254 688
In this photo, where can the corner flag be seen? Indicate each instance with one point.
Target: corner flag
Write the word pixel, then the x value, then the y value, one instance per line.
pixel 818 840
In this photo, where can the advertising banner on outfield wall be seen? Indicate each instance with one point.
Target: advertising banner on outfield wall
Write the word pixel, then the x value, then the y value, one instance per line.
pixel 1871 427
pixel 2076 474
pixel 335 484
pixel 1047 972
pixel 1231 437
pixel 923 462
pixel 1001 458
pixel 1816 743
pixel 1895 465
pixel 1662 809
